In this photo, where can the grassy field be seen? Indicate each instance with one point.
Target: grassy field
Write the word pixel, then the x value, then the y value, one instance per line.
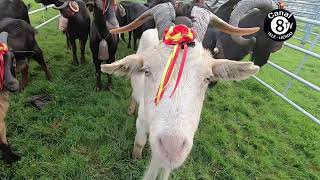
pixel 246 132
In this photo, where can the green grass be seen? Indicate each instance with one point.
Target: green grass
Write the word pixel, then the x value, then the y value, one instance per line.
pixel 246 132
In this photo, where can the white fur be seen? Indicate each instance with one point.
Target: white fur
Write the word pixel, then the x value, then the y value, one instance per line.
pixel 172 123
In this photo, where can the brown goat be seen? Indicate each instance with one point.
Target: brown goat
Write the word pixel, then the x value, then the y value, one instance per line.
pixel 8 155
pixel 8 83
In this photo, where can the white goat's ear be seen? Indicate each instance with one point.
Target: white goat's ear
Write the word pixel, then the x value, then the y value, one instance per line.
pixel 224 69
pixel 126 66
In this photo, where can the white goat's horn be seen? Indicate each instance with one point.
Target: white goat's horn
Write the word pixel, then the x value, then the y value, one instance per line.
pixel 227 28
pixel 143 18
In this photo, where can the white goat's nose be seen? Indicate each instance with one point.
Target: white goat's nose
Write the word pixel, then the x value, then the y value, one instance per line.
pixel 172 146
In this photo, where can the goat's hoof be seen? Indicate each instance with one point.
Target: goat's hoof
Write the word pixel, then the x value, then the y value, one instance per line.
pixel 75 63
pixel 109 87
pixel 131 111
pixel 11 158
pixel 82 61
pixel 136 154
pixel 22 86
pixel 98 88
pixel 49 77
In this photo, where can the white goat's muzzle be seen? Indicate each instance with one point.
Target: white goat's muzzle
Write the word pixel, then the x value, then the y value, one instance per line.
pixel 171 150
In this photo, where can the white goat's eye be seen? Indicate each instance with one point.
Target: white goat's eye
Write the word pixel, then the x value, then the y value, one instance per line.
pixel 146 71
pixel 209 78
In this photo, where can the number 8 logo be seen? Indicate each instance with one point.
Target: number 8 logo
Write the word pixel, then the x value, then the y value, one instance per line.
pixel 280 25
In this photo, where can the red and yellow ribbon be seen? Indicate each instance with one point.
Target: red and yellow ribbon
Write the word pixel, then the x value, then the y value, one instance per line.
pixel 3 51
pixel 179 35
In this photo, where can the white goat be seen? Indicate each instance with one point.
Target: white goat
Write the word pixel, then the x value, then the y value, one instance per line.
pixel 172 123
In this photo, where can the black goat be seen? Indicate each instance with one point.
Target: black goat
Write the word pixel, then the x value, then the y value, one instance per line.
pixel 78 26
pixel 15 9
pixel 18 10
pixel 103 44
pixel 24 45
pixel 235 47
pixel 184 9
pixel 133 10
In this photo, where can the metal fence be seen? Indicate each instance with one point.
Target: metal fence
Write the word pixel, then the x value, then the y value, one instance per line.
pixel 45 22
pixel 308 15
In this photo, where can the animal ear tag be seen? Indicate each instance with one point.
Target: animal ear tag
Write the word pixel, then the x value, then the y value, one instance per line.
pixel 103 50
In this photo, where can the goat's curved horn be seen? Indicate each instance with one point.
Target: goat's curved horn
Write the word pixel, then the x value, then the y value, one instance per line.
pixel 229 29
pixel 65 4
pixel 203 17
pixel 163 15
pixel 143 18
pixel 242 9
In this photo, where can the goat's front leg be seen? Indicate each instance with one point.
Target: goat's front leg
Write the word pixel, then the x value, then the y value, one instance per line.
pixel 23 67
pixel 132 107
pixel 8 155
pixel 109 84
pixel 39 58
pixel 152 171
pixel 141 135
pixel 83 49
pixel 129 41
pixel 165 174
pixel 97 64
pixel 68 41
pixel 74 52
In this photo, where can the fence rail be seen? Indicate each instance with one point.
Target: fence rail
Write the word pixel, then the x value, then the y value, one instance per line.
pixel 302 50
pixel 40 9
pixel 305 82
pixel 288 101
pixel 48 21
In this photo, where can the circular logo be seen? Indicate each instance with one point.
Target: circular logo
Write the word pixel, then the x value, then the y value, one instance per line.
pixel 280 25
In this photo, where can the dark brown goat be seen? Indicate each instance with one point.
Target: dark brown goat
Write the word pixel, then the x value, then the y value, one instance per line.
pixel 131 11
pixel 24 45
pixel 103 44
pixel 16 9
pixel 78 25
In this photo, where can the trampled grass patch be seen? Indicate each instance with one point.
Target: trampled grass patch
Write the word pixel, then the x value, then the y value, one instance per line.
pixel 246 132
